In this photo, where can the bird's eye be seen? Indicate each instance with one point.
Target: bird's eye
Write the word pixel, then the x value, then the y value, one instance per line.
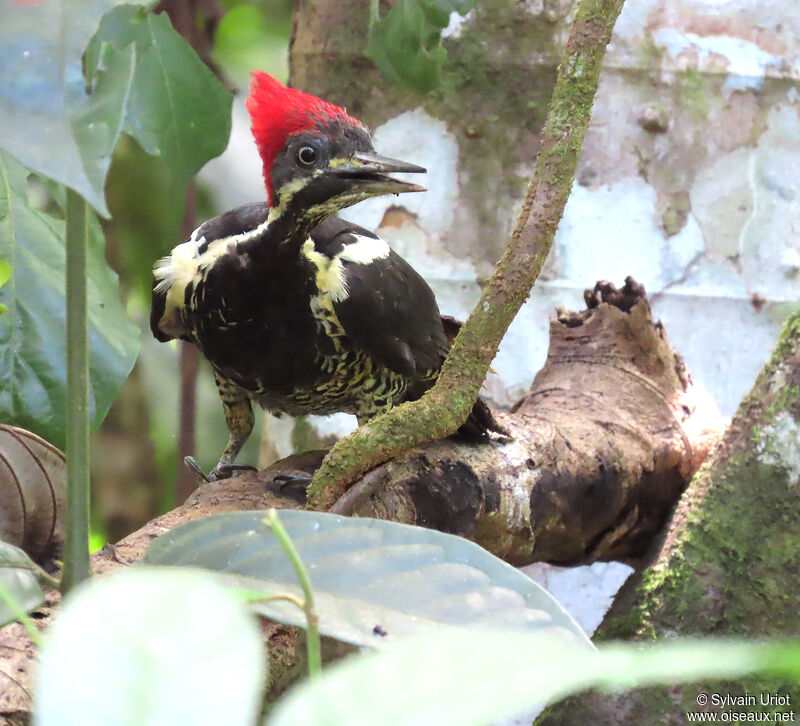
pixel 307 155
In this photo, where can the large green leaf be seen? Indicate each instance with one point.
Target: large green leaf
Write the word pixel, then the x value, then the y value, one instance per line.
pixel 145 648
pixel 150 84
pixel 176 108
pixel 5 276
pixel 477 678
pixel 47 120
pixel 33 334
pixel 373 580
pixel 405 45
pixel 18 581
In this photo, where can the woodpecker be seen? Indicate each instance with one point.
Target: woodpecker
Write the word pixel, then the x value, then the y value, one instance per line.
pixel 294 308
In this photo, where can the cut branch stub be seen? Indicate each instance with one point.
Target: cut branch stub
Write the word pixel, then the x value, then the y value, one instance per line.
pixel 601 448
pixel 615 398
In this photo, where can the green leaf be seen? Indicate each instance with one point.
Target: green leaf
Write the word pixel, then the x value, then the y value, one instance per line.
pixel 156 648
pixel 5 276
pixel 176 107
pixel 19 582
pixel 474 678
pixel 33 334
pixel 47 120
pixel 405 45
pixel 150 84
pixel 373 580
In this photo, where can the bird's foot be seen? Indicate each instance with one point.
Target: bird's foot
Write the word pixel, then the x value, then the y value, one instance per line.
pixel 226 471
pixel 220 471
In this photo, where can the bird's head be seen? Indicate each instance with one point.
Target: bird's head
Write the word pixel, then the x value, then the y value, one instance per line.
pixel 314 151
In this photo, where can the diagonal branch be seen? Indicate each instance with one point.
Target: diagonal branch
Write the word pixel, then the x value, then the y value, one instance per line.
pixel 446 406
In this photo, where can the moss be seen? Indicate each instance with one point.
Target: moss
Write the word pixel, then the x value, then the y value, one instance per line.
pixel 789 339
pixel 649 56
pixel 674 217
pixel 495 102
pixel 694 89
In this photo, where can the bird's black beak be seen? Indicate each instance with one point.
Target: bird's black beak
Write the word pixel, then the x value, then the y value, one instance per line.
pixel 368 173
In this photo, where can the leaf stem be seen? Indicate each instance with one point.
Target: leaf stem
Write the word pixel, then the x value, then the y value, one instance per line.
pixel 20 614
pixel 253 598
pixel 313 644
pixel 43 575
pixel 76 548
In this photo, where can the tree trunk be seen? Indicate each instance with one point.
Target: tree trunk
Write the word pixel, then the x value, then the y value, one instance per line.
pixel 729 564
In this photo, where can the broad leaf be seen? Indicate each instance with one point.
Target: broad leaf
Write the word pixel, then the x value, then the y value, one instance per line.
pixel 18 581
pixel 150 84
pixel 176 108
pixel 477 678
pixel 405 45
pixel 47 120
pixel 156 648
pixel 373 580
pixel 33 334
pixel 5 275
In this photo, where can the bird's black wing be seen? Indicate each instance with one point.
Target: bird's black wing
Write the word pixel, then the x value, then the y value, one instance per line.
pixel 230 224
pixel 234 222
pixel 389 310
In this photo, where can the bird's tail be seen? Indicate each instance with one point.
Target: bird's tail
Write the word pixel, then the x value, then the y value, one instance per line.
pixel 480 424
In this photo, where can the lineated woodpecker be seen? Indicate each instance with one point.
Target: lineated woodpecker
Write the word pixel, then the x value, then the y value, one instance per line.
pixel 296 309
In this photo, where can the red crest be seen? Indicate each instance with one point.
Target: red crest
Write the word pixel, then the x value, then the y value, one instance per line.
pixel 278 112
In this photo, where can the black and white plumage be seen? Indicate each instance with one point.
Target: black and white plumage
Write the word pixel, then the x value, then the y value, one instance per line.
pixel 346 325
pixel 296 309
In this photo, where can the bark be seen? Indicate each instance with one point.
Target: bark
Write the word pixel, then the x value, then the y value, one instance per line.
pixel 729 564
pixel 446 406
pixel 602 446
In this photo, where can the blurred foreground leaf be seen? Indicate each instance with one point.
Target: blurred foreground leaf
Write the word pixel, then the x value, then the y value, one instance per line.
pixel 5 276
pixel 19 582
pixel 150 647
pixel 473 678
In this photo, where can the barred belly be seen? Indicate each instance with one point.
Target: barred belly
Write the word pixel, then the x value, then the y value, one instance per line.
pixel 349 380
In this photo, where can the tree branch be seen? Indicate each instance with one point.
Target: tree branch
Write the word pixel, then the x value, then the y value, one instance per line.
pixel 727 565
pixel 446 406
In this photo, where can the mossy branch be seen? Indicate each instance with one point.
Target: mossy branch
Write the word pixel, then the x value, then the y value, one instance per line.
pixel 446 406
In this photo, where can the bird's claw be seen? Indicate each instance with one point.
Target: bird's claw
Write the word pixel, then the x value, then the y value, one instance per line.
pixel 220 471
pixel 200 476
pixel 292 478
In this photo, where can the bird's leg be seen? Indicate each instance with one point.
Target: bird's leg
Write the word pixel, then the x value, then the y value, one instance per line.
pixel 239 418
